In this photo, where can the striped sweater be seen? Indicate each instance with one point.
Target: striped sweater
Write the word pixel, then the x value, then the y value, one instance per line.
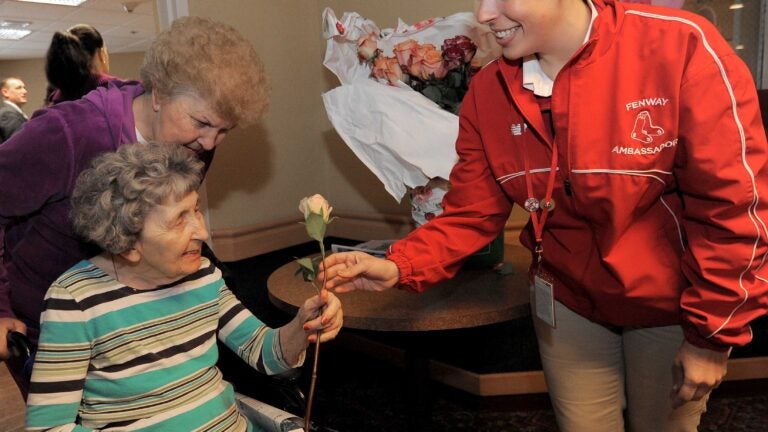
pixel 115 358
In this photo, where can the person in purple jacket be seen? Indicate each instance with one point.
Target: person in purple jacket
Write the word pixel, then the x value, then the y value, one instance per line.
pixel 199 79
pixel 77 62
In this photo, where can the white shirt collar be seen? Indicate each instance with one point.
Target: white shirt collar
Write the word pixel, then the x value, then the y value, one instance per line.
pixel 139 137
pixel 534 78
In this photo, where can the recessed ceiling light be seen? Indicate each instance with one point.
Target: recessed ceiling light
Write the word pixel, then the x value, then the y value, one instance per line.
pixel 13 34
pixel 14 30
pixel 58 2
pixel 15 24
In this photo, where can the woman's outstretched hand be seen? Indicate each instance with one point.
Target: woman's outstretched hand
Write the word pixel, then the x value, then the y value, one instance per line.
pixel 349 271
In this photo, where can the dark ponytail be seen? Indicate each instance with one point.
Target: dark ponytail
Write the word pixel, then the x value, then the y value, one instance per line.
pixel 69 58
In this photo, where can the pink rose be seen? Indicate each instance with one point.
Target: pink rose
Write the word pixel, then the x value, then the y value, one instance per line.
pixel 387 68
pixel 367 47
pixel 380 67
pixel 404 50
pixel 433 65
pixel 414 69
pixel 393 72
pixel 417 59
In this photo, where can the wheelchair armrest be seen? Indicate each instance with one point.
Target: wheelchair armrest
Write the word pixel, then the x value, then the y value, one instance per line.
pixel 269 418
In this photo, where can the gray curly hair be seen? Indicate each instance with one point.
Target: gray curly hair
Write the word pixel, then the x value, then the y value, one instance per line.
pixel 112 198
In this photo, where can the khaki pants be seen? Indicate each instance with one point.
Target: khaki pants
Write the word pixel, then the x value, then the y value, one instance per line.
pixel 600 377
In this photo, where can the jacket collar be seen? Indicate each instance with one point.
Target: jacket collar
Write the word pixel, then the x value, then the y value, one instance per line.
pixel 534 78
pixel 603 28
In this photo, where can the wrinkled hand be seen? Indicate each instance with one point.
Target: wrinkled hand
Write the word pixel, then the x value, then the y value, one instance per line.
pixel 8 325
pixel 321 313
pixel 349 271
pixel 695 372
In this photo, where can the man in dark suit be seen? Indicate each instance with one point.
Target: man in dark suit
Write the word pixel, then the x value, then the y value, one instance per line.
pixel 11 116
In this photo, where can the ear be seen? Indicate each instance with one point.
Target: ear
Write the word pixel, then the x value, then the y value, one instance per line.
pixel 103 54
pixel 132 255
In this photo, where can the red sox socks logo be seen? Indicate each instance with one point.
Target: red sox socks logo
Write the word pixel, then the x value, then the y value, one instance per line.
pixel 644 130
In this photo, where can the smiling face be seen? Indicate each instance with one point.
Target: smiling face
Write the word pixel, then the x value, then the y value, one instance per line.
pixel 171 241
pixel 522 27
pixel 187 120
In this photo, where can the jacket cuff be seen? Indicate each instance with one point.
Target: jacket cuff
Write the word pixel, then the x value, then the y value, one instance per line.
pixel 694 338
pixel 406 281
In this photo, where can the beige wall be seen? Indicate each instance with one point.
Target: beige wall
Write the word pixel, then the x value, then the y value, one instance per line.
pixel 261 172
pixel 32 72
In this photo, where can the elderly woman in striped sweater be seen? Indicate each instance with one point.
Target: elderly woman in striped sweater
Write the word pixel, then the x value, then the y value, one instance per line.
pixel 128 337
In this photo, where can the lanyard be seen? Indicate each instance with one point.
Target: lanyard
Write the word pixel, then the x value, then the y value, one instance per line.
pixel 533 205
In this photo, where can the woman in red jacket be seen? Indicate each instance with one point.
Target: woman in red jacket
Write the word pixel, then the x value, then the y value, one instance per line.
pixel 632 135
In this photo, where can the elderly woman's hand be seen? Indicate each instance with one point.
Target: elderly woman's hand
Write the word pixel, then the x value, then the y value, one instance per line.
pixel 320 314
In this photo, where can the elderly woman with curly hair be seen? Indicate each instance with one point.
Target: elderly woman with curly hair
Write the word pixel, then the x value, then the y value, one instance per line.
pixel 200 79
pixel 128 336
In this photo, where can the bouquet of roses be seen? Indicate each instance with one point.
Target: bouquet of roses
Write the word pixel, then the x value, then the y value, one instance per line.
pixel 442 75
pixel 401 90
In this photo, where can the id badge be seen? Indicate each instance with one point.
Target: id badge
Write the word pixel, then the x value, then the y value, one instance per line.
pixel 543 297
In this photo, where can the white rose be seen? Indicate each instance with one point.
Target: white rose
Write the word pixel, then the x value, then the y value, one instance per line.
pixel 316 204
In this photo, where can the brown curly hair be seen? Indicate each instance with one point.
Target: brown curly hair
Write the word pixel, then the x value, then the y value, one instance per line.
pixel 212 60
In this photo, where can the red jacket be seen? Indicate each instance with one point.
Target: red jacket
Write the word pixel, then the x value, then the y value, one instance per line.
pixel 660 142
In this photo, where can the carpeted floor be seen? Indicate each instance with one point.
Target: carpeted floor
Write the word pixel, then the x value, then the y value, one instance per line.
pixel 361 394
pixel 356 392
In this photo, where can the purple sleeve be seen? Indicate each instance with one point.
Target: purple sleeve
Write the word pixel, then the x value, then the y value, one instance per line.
pixel 5 298
pixel 36 167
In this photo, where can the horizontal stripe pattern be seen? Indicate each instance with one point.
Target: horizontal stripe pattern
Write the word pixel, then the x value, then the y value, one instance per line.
pixel 115 358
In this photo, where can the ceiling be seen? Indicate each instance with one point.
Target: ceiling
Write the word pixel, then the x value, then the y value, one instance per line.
pixel 122 31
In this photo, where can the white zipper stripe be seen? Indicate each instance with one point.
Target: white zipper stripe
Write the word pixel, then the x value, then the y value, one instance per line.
pixel 639 173
pixel 507 177
pixel 752 210
pixel 677 222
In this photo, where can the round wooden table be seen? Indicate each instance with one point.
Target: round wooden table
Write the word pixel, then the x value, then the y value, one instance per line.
pixel 475 297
